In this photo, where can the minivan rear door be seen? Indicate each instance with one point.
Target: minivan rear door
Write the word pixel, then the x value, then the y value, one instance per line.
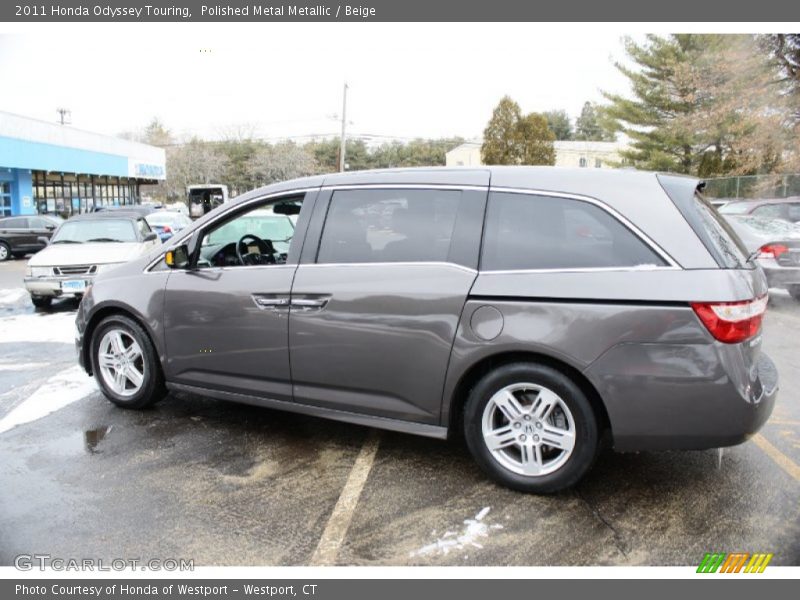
pixel 376 303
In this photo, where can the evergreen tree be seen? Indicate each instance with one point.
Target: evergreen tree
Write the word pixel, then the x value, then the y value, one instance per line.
pixel 701 104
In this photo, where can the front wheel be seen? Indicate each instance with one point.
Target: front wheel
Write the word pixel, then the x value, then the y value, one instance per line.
pixel 531 428
pixel 125 363
pixel 794 291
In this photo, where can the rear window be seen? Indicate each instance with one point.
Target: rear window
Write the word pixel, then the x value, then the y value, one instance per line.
pixel 714 231
pixel 525 231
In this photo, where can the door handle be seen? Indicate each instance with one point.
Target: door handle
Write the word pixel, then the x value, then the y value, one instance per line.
pixel 270 302
pixel 309 303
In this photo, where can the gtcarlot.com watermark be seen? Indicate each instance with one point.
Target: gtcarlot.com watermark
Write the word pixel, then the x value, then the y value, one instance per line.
pixel 42 562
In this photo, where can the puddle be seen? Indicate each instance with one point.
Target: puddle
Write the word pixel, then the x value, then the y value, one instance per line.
pixel 93 437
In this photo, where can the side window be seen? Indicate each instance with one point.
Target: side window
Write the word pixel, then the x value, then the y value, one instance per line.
pixel 769 211
pixel 37 223
pixel 257 236
pixel 536 232
pixel 369 226
pixel 16 223
pixel 143 226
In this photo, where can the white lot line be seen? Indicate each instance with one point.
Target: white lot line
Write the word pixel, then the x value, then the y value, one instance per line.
pixel 339 521
pixel 57 392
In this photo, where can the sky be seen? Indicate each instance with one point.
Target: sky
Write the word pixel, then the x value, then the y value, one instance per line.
pixel 281 80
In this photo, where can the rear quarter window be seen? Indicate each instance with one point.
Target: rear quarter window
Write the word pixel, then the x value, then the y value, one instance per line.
pixel 714 231
pixel 525 231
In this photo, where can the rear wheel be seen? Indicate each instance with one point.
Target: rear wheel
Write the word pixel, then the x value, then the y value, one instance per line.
pixel 794 291
pixel 125 363
pixel 531 428
pixel 42 301
pixel 5 251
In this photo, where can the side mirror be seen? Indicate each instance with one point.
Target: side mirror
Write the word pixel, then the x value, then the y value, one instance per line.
pixel 50 227
pixel 151 236
pixel 178 257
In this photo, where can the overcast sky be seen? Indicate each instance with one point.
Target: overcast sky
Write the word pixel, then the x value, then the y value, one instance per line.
pixel 406 80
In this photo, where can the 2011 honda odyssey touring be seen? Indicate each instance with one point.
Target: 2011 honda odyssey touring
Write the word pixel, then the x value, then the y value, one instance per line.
pixel 531 309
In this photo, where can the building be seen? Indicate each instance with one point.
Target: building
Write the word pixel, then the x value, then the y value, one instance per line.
pixel 57 169
pixel 572 153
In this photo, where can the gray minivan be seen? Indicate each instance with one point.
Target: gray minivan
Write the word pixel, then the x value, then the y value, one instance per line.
pixel 535 310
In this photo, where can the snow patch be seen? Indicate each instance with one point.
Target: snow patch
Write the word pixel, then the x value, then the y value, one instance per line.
pixel 474 529
pixel 54 327
pixel 57 392
pixel 12 297
pixel 7 366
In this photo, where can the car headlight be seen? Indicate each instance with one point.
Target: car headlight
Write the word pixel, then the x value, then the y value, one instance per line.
pixel 107 267
pixel 39 271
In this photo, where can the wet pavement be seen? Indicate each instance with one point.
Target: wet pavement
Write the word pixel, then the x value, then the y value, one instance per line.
pixel 228 484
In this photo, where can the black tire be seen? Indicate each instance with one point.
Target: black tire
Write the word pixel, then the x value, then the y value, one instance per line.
pixel 152 388
pixel 794 292
pixel 5 252
pixel 586 444
pixel 42 301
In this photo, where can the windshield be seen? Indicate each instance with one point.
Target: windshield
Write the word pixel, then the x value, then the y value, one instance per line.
pixel 735 208
pixel 95 230
pixel 275 228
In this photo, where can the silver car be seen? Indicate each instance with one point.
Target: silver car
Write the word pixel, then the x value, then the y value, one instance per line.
pixel 532 310
pixel 774 244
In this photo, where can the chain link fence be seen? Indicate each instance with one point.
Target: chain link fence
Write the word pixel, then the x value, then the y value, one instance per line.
pixel 753 186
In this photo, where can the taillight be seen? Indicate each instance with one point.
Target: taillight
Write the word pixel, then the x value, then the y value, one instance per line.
pixel 772 250
pixel 732 322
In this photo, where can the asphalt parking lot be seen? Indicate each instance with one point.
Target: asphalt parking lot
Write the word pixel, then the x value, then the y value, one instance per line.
pixel 228 484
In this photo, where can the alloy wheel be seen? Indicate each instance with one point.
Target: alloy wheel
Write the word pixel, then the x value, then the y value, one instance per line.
pixel 528 429
pixel 121 362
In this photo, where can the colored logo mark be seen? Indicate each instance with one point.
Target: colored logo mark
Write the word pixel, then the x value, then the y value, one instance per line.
pixel 736 562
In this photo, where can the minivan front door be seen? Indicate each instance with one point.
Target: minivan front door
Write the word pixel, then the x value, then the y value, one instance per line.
pixel 226 323
pixel 376 306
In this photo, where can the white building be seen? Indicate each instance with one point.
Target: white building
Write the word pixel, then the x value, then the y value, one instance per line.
pixel 568 154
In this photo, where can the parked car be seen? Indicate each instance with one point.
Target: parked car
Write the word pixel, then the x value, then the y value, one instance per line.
pixel 167 223
pixel 82 247
pixel 533 310
pixel 787 209
pixel 775 244
pixel 203 198
pixel 25 234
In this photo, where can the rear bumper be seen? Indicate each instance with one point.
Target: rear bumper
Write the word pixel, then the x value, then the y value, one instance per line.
pixel 779 276
pixel 684 397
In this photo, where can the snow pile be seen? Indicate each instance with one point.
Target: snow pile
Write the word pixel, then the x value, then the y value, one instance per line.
pixel 13 297
pixel 54 327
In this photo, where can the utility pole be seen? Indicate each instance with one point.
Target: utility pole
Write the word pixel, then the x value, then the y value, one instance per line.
pixel 64 115
pixel 344 125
